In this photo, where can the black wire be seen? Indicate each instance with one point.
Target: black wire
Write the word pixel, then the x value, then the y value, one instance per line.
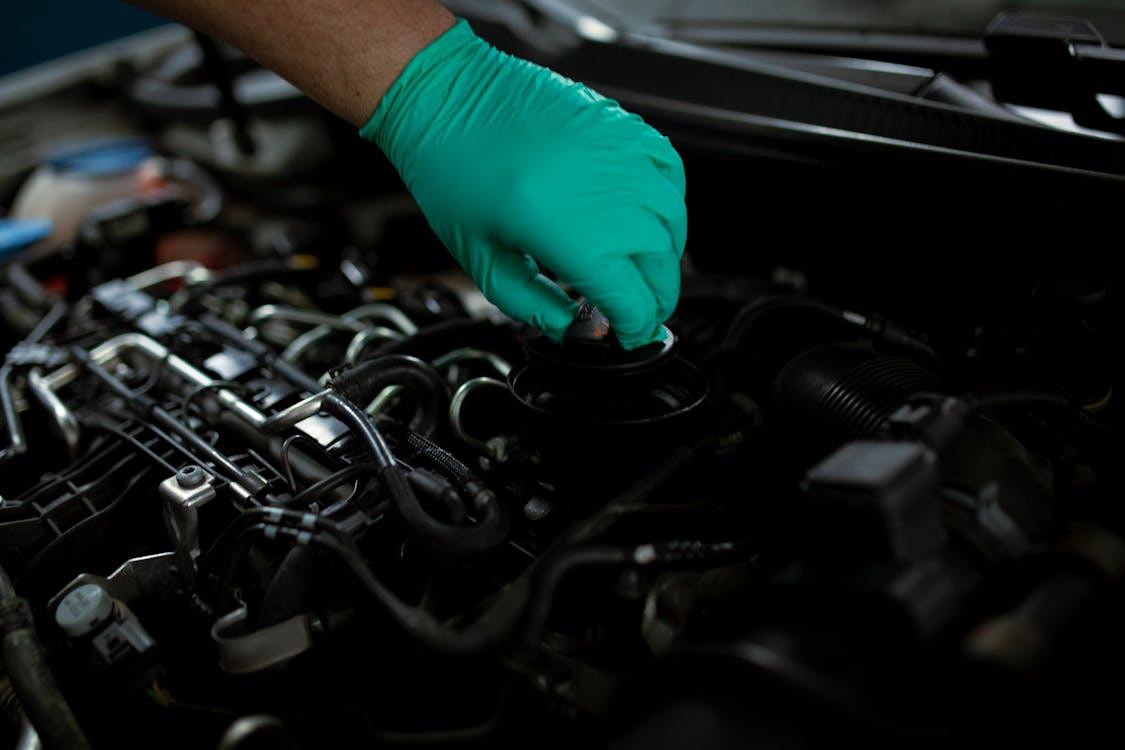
pixel 285 462
pixel 502 615
pixel 49 321
pixel 157 372
pixel 532 592
pixel 242 543
pixel 218 550
pixel 285 446
pixel 309 529
pixel 220 463
pixel 757 309
pixel 315 491
pixel 447 539
pixel 417 622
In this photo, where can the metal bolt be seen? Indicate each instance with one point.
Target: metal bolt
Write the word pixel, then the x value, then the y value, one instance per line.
pixel 190 477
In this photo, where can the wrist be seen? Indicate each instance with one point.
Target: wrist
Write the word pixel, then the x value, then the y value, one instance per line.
pixel 409 106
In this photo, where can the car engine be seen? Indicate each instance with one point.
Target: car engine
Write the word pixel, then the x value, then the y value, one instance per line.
pixel 273 474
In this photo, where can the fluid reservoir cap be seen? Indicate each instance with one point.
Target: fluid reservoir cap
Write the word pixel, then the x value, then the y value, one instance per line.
pixel 83 610
pixel 590 344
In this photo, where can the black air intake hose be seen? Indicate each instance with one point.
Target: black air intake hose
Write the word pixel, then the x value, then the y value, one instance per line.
pixel 831 394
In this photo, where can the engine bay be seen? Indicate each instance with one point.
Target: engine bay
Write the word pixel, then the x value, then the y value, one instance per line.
pixel 275 474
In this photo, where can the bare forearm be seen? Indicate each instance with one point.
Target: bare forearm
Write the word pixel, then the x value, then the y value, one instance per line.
pixel 345 54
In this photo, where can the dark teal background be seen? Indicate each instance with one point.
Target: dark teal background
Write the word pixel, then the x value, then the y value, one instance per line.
pixel 33 31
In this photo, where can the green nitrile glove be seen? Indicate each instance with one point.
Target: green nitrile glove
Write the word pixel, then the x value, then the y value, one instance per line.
pixel 512 164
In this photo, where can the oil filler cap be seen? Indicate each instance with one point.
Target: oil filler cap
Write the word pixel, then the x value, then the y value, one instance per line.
pixel 591 344
pixel 84 610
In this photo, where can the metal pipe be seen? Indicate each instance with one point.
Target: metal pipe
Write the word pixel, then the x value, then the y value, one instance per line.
pixel 64 418
pixel 49 321
pixel 360 341
pixel 17 443
pixel 501 365
pixel 458 401
pixel 300 315
pixel 247 480
pixel 373 311
pixel 308 407
pixel 185 270
pixel 386 313
pixel 384 399
pixel 305 341
pixel 29 738
pixel 157 353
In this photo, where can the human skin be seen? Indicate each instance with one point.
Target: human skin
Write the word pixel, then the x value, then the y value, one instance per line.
pixel 538 186
pixel 345 54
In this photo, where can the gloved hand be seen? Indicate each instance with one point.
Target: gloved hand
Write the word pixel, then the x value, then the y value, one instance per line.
pixel 512 164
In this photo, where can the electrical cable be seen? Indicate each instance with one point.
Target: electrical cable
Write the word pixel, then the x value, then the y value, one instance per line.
pixel 880 329
pixel 499 618
pixel 315 491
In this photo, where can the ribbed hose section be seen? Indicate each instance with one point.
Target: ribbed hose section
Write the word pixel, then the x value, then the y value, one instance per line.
pixel 859 403
pixel 831 394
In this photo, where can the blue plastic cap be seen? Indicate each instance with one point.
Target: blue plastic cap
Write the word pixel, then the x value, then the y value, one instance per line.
pixel 16 234
pixel 101 158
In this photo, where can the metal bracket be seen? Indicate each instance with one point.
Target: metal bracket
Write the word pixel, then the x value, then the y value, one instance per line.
pixel 183 495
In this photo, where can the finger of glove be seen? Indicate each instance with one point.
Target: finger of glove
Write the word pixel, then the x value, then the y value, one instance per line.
pixel 512 281
pixel 589 224
pixel 659 234
pixel 661 274
pixel 646 235
pixel 596 251
pixel 663 155
pixel 617 288
pixel 642 185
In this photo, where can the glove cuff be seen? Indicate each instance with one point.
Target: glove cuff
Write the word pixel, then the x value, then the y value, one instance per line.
pixel 406 109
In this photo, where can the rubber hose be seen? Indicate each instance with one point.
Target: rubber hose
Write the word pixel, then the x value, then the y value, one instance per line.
pixel 444 461
pixel 363 383
pixel 491 530
pixel 39 694
pixel 488 533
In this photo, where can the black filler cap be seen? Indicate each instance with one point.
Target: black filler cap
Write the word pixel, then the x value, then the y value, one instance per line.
pixel 591 344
